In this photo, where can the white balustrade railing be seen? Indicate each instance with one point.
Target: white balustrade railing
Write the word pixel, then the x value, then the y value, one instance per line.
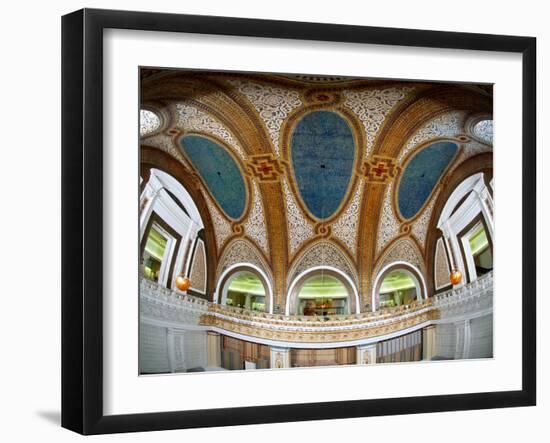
pixel 163 304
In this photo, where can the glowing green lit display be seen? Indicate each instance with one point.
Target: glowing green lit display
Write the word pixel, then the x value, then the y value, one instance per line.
pixel 156 244
pixel 247 283
pixel 323 286
pixel 478 240
pixel 397 281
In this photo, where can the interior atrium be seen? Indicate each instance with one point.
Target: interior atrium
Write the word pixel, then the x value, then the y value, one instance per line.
pixel 296 220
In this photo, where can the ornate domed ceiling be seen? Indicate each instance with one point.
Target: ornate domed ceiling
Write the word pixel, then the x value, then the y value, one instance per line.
pixel 298 171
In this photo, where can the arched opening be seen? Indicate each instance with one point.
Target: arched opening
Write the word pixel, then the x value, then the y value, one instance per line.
pixel 170 223
pixel 466 222
pixel 244 287
pixel 398 288
pixel 323 295
pixel 398 284
pixel 322 292
pixel 481 249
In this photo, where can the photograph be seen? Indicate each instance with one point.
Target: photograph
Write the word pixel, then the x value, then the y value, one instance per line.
pixel 294 220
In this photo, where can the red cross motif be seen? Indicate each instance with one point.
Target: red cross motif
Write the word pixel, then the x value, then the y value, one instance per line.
pixel 265 167
pixel 380 170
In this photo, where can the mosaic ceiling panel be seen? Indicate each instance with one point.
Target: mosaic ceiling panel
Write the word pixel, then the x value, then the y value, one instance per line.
pixel 421 175
pixel 323 154
pixel 219 172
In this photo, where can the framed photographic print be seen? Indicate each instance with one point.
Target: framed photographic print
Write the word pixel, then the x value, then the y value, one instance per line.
pixel 273 221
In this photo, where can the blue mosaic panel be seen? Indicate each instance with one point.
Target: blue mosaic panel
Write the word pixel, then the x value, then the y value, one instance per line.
pixel 421 175
pixel 219 171
pixel 323 152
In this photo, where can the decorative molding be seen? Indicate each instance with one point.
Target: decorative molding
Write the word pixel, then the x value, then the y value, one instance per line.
pixel 442 269
pixel 198 272
pixel 191 119
pixel 379 169
pixel 420 226
pixel 166 144
pixel 255 225
pixel 372 107
pixel 164 307
pixel 265 167
pixel 222 227
pixel 388 227
pixel 272 104
pixel 242 251
pixel 322 253
pixel 405 250
pixel 299 229
pixel 445 125
pixel 345 228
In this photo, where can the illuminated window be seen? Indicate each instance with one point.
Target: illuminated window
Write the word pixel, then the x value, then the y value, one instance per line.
pixel 481 250
pixel 484 130
pixel 323 295
pixel 246 290
pixel 398 288
pixel 154 253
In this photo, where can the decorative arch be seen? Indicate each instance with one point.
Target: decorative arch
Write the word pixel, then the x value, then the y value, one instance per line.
pixel 473 165
pixel 241 251
pixel 225 280
pixel 412 270
pixel 456 196
pixel 322 253
pixel 405 250
pixel 154 158
pixel 297 283
pixel 178 191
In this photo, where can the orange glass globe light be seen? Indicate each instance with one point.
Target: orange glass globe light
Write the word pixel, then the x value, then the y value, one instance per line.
pixel 455 277
pixel 182 283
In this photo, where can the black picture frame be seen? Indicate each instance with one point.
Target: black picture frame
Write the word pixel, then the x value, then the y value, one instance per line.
pixel 82 219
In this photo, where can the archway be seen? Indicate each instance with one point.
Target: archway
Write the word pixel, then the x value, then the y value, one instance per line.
pixel 154 158
pixel 322 291
pixel 246 286
pixel 397 284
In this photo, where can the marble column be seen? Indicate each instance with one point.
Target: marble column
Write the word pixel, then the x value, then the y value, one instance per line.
pixel 429 342
pixel 366 354
pixel 280 358
pixel 213 350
